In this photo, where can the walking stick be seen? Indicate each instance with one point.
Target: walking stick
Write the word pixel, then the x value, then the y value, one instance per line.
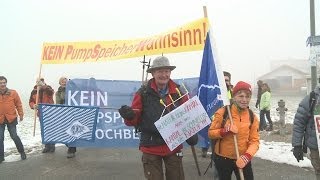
pixel 235 143
pixel 195 159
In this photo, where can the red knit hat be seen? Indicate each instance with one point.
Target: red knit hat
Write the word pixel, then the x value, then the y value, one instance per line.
pixel 241 86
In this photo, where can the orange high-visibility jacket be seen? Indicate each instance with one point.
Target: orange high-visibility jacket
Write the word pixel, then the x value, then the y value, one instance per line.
pixel 247 137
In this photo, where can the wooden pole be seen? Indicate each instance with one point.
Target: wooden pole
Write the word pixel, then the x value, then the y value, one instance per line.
pixel 205 14
pixel 37 101
pixel 235 143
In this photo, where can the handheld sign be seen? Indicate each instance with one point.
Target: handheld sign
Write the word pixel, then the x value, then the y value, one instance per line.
pixel 183 122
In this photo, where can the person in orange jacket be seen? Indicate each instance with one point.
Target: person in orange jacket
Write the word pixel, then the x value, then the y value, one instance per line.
pixel 45 96
pixel 247 134
pixel 10 107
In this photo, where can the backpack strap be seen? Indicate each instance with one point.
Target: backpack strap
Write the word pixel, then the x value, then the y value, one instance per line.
pixel 225 117
pixel 251 117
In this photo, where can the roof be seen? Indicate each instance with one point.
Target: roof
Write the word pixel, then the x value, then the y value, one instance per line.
pixel 282 67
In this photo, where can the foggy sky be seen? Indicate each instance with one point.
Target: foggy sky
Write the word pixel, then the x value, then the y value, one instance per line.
pixel 249 34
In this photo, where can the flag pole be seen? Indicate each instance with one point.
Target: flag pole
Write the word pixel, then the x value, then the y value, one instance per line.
pixel 37 99
pixel 205 13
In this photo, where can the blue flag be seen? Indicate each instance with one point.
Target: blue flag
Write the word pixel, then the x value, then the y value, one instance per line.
pixel 212 90
pixel 65 124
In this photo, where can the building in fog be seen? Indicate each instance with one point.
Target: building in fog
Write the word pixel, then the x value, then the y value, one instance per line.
pixel 288 76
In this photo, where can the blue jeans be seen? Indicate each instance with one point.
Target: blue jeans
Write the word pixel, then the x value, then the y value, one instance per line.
pixel 13 134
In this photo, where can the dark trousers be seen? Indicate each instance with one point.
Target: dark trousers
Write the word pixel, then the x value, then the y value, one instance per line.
pixel 153 170
pixel 13 134
pixel 263 123
pixel 226 166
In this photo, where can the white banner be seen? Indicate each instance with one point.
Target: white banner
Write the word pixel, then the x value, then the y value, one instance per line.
pixel 317 125
pixel 183 122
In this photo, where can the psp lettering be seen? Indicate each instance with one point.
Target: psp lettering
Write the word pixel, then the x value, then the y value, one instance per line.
pixel 87 98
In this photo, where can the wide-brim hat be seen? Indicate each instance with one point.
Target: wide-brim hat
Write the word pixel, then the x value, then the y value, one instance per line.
pixel 160 62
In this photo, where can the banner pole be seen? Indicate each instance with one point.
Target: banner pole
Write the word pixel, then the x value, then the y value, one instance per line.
pixel 37 100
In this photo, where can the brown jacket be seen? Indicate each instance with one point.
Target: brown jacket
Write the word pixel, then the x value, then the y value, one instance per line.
pixel 247 137
pixel 45 95
pixel 10 104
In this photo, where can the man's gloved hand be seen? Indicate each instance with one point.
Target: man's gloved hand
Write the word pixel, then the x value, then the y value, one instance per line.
pixel 126 112
pixel 229 129
pixel 298 152
pixel 35 106
pixel 21 118
pixel 243 160
pixel 193 140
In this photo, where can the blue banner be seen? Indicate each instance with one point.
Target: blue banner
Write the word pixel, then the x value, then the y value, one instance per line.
pixel 64 124
pixel 109 95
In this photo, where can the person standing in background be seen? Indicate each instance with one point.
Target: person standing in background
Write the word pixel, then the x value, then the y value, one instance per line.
pixel 60 99
pixel 45 96
pixel 259 83
pixel 265 106
pixel 10 106
pixel 227 79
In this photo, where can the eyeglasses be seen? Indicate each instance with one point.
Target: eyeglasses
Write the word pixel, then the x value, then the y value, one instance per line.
pixel 3 82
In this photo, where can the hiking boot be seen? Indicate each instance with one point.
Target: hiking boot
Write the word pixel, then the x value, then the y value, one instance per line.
pixel 45 150
pixel 270 128
pixel 23 156
pixel 71 155
pixel 52 148
pixel 204 152
pixel 1 159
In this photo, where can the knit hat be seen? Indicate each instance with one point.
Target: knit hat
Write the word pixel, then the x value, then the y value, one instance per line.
pixel 160 62
pixel 241 86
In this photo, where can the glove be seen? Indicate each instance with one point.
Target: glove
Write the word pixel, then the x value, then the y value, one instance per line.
pixel 35 106
pixel 21 118
pixel 228 129
pixel 298 153
pixel 243 160
pixel 193 140
pixel 126 112
pixel 40 83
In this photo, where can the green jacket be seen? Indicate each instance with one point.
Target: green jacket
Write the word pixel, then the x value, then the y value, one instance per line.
pixel 60 95
pixel 265 101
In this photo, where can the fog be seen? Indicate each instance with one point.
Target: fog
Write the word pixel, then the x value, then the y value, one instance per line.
pixel 249 35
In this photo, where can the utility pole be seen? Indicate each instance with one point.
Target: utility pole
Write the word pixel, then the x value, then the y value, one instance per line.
pixel 313 61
